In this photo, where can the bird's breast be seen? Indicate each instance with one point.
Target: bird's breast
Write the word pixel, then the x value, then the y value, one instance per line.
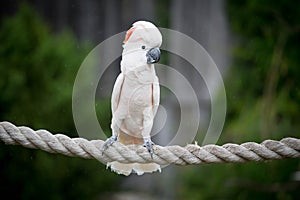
pixel 141 97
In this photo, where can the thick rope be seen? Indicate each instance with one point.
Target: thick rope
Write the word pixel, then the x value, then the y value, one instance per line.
pixel 190 154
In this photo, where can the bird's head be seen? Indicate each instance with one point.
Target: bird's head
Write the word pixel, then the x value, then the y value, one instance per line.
pixel 144 36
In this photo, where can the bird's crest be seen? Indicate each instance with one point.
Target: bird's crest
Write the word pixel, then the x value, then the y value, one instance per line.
pixel 128 34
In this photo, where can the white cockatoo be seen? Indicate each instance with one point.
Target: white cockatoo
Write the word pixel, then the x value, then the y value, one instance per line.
pixel 135 96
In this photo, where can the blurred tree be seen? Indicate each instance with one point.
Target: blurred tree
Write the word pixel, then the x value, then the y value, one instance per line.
pixel 37 73
pixel 263 90
pixel 266 64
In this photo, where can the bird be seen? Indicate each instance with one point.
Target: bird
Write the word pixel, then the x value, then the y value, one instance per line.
pixel 136 95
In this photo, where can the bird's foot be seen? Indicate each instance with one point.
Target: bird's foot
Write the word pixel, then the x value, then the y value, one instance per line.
pixel 109 142
pixel 149 146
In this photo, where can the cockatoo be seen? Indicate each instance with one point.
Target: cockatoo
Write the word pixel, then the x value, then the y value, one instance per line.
pixel 135 96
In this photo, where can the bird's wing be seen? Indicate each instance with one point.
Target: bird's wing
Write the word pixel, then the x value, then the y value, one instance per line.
pixel 117 91
pixel 155 95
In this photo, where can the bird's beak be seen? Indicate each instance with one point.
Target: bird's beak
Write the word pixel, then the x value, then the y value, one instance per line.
pixel 153 55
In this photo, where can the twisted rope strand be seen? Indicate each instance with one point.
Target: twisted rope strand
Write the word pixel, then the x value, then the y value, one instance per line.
pixel 191 154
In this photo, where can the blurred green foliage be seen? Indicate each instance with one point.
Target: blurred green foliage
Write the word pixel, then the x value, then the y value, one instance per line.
pixel 263 91
pixel 265 75
pixel 37 71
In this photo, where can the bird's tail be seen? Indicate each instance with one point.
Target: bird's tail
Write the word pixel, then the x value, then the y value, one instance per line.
pixel 128 168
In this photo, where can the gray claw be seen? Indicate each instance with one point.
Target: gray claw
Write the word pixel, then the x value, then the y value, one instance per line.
pixel 149 146
pixel 109 142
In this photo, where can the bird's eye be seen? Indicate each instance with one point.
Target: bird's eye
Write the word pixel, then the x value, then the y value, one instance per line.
pixel 143 47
